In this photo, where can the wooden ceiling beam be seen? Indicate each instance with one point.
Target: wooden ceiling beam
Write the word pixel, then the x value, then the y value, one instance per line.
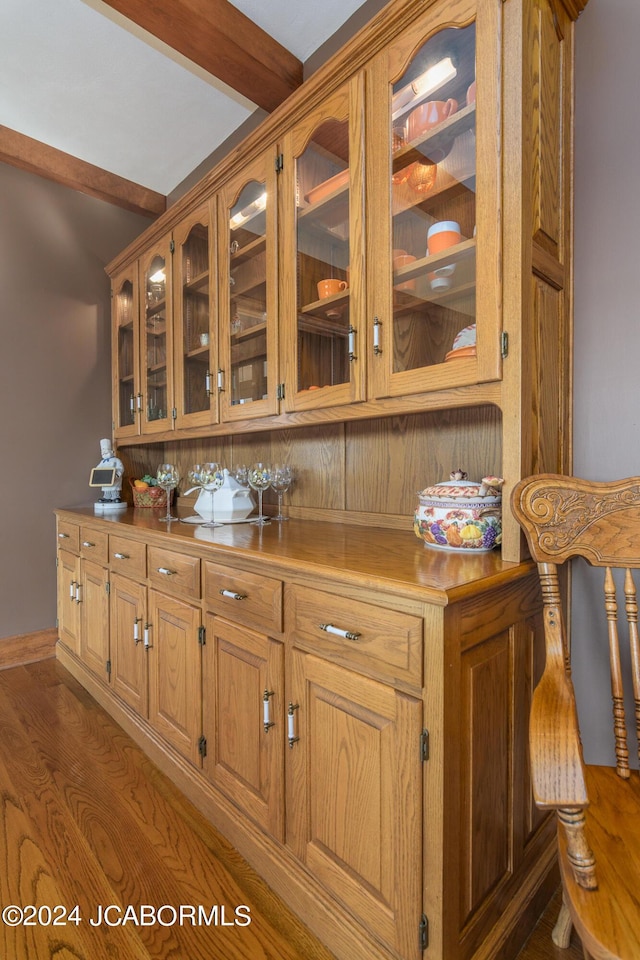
pixel 35 157
pixel 222 41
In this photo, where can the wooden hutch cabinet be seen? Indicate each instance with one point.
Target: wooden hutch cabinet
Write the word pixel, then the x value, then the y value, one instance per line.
pixel 383 265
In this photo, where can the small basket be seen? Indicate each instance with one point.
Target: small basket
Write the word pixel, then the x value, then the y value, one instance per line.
pixel 151 497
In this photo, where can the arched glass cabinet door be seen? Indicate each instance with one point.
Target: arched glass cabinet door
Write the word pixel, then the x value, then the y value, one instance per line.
pixel 436 302
pixel 248 375
pixel 322 297
pixel 127 400
pixel 195 302
pixel 156 340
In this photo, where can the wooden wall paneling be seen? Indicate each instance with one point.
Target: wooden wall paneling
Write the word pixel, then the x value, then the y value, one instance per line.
pixel 389 460
pixel 550 391
pixel 318 458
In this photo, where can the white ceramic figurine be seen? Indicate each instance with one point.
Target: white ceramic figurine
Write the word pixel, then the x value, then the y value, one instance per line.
pixel 111 494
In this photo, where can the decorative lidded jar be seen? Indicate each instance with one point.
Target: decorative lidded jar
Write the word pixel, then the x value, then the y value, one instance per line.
pixel 460 514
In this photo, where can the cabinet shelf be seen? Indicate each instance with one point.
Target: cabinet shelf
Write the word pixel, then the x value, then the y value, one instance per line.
pixel 249 250
pixel 321 308
pixel 436 139
pixel 199 353
pixel 199 284
pixel 461 251
pixel 249 332
pixel 157 329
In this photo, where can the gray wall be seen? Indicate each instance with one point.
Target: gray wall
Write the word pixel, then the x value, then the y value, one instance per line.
pixel 607 308
pixel 55 374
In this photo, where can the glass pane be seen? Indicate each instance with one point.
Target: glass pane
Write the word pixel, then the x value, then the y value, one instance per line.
pixel 126 383
pixel 433 200
pixel 322 172
pixel 195 320
pixel 248 294
pixel 156 340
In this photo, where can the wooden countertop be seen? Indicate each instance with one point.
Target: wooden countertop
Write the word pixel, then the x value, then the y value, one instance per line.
pixel 394 560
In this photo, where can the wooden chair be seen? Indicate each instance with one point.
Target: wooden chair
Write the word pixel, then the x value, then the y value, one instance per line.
pixel 598 807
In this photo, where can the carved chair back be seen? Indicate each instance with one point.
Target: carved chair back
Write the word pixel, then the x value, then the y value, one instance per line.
pixel 564 517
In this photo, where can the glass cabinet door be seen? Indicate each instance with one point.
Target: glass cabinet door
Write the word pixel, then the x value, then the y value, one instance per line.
pixel 323 237
pixel 156 340
pixel 248 375
pixel 126 354
pixel 436 304
pixel 194 306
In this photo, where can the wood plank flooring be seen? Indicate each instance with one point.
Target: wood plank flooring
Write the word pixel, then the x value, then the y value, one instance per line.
pixel 86 819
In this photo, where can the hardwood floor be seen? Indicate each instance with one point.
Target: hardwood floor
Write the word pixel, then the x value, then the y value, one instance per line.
pixel 88 820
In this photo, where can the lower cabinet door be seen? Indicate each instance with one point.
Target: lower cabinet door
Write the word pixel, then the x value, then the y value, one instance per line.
pixel 353 794
pixel 175 673
pixel 94 619
pixel 68 600
pixel 129 675
pixel 243 720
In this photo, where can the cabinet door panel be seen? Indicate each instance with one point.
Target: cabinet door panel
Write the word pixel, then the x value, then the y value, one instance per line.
pixel 128 651
pixel 175 693
pixel 248 333
pixel 354 795
pixel 323 262
pixel 68 613
pixel 244 759
pixel 125 351
pixel 94 616
pixel 435 305
pixel 194 306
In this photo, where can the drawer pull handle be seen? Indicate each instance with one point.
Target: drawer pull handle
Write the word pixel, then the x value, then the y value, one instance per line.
pixel 166 572
pixel 122 556
pixel 337 632
pixel 266 710
pixel 291 725
pixel 63 536
pixel 232 595
pixel 87 543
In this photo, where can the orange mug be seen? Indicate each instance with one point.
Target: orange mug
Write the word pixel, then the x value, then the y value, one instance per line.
pixel 429 115
pixel 327 288
pixel 443 234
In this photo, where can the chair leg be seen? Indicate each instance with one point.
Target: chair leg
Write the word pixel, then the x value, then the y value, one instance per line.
pixel 561 933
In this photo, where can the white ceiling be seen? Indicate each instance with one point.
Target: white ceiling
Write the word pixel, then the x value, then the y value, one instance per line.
pixel 79 77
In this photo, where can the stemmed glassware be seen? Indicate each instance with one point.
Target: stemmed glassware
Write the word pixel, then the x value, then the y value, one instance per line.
pixel 241 473
pixel 211 478
pixel 260 480
pixel 281 480
pixel 168 478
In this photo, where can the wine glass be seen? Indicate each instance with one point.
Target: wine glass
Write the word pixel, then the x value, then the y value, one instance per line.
pixel 241 473
pixel 281 480
pixel 260 480
pixel 168 478
pixel 212 478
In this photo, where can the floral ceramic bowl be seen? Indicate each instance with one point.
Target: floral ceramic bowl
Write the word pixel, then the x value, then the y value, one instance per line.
pixel 460 515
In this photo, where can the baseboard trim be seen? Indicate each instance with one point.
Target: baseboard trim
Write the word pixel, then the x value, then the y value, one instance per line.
pixel 27 648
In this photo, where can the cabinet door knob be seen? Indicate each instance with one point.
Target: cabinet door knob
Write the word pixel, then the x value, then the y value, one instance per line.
pixel 337 632
pixel 291 724
pixel 232 595
pixel 266 710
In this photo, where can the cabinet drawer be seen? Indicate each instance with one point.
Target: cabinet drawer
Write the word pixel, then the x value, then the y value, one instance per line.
pixel 385 643
pixel 247 598
pixel 69 535
pixel 174 572
pixel 94 544
pixel 128 557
